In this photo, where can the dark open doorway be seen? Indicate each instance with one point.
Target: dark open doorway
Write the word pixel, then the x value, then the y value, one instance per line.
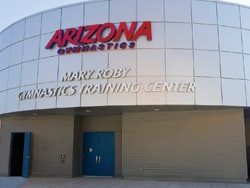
pixel 247 132
pixel 16 159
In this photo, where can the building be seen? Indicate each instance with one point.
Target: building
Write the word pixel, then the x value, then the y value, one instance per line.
pixel 134 89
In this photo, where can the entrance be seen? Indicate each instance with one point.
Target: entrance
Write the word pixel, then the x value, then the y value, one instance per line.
pixel 19 157
pixel 98 154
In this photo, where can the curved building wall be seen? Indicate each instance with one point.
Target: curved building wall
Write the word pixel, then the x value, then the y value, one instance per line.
pixel 164 53
pixel 199 42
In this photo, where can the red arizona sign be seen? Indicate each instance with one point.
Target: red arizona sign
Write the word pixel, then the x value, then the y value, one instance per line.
pixel 107 35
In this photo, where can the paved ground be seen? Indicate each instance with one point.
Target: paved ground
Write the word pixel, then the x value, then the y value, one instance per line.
pixel 14 182
pixel 11 182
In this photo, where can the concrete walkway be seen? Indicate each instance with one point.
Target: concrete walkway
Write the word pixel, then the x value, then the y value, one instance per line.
pixel 11 182
pixel 14 182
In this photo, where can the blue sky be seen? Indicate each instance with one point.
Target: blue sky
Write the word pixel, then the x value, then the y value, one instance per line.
pixel 13 10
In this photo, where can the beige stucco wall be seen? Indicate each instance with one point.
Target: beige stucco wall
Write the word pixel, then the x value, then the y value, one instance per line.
pixel 180 145
pixel 197 145
pixel 51 137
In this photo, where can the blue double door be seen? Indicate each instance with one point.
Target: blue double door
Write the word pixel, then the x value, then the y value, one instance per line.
pixel 98 154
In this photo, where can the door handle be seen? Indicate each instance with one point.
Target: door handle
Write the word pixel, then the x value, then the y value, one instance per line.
pixel 98 159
